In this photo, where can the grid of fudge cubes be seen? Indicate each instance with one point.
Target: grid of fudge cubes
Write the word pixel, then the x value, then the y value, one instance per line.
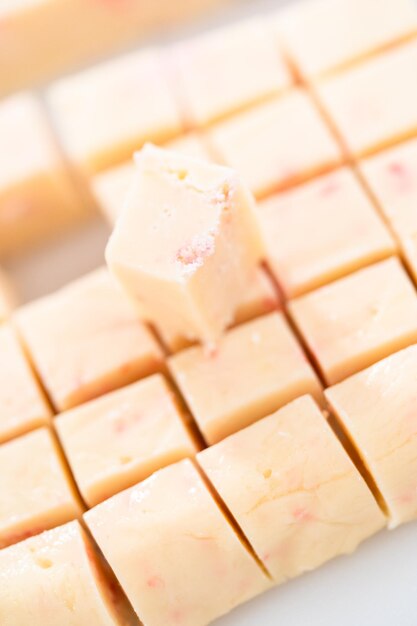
pixel 127 423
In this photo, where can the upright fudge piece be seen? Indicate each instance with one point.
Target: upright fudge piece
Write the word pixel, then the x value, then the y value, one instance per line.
pixel 176 556
pixel 198 243
pixel 87 339
pixel 375 104
pixel 134 431
pixel 229 69
pixel 257 368
pixel 392 178
pixel 58 578
pixel 135 105
pixel 37 194
pixel 323 36
pixel 7 296
pixel 293 490
pixel 36 491
pixel 357 320
pixel 348 232
pixel 377 408
pixel 276 144
pixel 23 406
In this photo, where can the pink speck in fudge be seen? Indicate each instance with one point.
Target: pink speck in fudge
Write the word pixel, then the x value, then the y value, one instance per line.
pixel 191 255
pixel 155 582
pixel 302 514
pixel 401 177
pixel 329 187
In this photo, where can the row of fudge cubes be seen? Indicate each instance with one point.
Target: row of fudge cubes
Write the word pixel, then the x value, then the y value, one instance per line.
pixel 194 540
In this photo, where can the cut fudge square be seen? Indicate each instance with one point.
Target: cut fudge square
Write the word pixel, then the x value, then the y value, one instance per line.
pixel 276 144
pixel 320 231
pixel 135 431
pixel 36 490
pixel 375 104
pixel 105 113
pixel 173 551
pixel 7 296
pixel 228 69
pixel 392 178
pixel 111 186
pixel 58 578
pixel 199 243
pixel 377 408
pixel 87 339
pixel 256 368
pixel 359 319
pixel 327 35
pixel 23 406
pixel 293 490
pixel 37 194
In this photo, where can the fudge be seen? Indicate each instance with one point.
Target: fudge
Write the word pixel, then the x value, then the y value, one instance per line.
pixel 176 556
pixel 199 243
pixel 111 187
pixel 359 319
pixel 37 193
pixel 392 178
pixel 293 490
pixel 228 69
pixel 377 408
pixel 23 406
pixel 87 339
pixel 325 36
pixel 58 578
pixel 136 105
pixel 7 296
pixel 115 441
pixel 255 369
pixel 348 232
pixel 276 144
pixel 374 104
pixel 36 490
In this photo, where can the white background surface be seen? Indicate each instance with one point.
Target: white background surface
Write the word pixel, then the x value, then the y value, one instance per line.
pixel 377 586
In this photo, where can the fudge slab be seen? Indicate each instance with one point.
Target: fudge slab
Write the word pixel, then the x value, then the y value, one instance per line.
pixel 293 490
pixel 37 193
pixel 228 69
pixel 23 405
pixel 105 113
pixel 199 243
pixel 323 36
pixel 36 491
pixel 392 178
pixel 374 104
pixel 121 438
pixel 321 231
pixel 255 369
pixel 173 551
pixel 359 319
pixel 57 578
pixel 378 410
pixel 276 144
pixel 87 339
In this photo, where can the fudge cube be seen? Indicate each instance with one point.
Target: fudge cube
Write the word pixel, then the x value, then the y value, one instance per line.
pixel 37 193
pixel 359 319
pixel 377 408
pixel 135 431
pixel 7 296
pixel 23 406
pixel 276 144
pixel 105 113
pixel 375 104
pixel 255 369
pixel 56 578
pixel 174 552
pixel 324 36
pixel 392 178
pixel 87 339
pixel 344 232
pixel 227 69
pixel 293 490
pixel 36 490
pixel 187 254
